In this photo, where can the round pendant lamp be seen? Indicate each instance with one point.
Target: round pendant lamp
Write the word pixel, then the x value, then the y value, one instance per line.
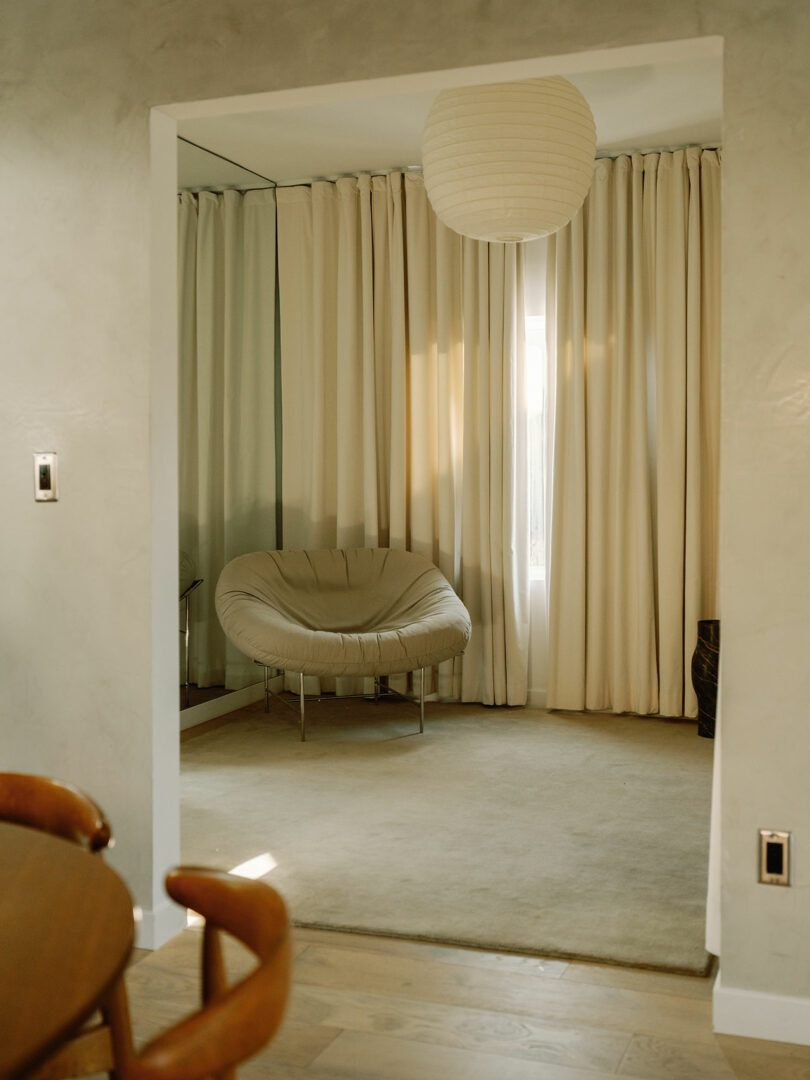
pixel 508 161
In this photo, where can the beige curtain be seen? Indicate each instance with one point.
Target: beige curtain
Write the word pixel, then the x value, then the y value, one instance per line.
pixel 495 495
pixel 634 324
pixel 403 419
pixel 329 465
pixel 227 423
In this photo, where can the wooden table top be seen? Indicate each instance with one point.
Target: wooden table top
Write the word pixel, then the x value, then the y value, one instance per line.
pixel 66 931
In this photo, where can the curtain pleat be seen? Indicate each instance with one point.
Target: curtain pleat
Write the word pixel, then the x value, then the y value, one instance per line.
pixel 435 395
pixel 187 382
pixel 226 404
pixel 385 345
pixel 633 301
pixel 391 350
pixel 567 545
pixel 669 322
pixel 710 330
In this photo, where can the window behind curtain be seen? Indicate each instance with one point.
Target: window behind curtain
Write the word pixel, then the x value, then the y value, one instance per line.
pixel 535 303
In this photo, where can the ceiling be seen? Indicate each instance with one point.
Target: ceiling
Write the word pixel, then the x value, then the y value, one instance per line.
pixel 647 107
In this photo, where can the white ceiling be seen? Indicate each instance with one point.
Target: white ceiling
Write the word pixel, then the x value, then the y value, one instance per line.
pixel 653 106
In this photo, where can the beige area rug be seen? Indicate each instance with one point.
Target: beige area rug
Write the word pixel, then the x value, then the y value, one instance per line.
pixel 507 829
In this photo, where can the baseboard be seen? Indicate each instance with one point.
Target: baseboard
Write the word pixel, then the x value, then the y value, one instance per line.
pixel 536 699
pixel 210 710
pixel 155 927
pixel 761 1016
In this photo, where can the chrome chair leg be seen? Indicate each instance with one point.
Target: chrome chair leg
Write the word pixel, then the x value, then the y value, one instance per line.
pixel 187 640
pixel 303 716
pixel 185 630
pixel 422 701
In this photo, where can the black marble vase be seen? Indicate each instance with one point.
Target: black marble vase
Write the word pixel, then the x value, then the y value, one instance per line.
pixel 704 674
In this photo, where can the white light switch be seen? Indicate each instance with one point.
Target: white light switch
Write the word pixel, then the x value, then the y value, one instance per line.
pixel 45 477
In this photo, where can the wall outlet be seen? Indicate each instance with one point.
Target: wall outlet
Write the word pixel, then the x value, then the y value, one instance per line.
pixel 45 489
pixel 774 857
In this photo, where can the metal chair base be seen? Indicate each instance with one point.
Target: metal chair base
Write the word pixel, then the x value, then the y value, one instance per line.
pixel 380 690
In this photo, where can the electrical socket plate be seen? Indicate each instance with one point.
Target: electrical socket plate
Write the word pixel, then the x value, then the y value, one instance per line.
pixel 774 857
pixel 45 477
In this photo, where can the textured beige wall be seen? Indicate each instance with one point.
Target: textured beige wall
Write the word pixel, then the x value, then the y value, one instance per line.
pixel 765 493
pixel 81 693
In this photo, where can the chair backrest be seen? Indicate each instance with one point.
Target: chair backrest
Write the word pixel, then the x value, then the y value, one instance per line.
pixel 234 1022
pixel 55 807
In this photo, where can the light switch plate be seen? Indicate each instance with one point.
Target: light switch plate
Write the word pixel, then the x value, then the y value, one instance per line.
pixel 45 489
pixel 774 857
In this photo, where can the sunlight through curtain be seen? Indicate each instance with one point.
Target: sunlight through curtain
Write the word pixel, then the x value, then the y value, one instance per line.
pixel 633 317
pixel 404 420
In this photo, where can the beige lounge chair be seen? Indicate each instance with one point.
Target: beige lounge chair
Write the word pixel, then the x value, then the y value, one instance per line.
pixel 354 611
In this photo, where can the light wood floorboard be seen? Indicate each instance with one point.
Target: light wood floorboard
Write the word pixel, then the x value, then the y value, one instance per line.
pixel 368 1008
pixel 558 1000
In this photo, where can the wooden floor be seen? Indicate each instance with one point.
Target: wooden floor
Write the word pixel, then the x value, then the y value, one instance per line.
pixel 366 1008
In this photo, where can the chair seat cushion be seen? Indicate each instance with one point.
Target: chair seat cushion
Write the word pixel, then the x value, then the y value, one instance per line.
pixel 354 611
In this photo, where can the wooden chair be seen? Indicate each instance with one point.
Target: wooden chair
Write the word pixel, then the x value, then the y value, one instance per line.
pixel 59 808
pixel 234 1022
pixel 54 807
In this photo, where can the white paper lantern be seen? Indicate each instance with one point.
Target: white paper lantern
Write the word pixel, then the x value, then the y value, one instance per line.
pixel 509 161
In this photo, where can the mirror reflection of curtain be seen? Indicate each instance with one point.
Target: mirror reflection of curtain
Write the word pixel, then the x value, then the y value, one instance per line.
pixel 227 403
pixel 404 404
pixel 633 315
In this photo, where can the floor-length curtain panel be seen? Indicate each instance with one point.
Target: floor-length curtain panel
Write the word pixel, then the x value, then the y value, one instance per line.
pixel 495 516
pixel 329 432
pixel 227 403
pixel 634 329
pixel 435 397
pixel 703 405
pixel 391 357
pixel 378 338
pixel 467 456
pixel 330 446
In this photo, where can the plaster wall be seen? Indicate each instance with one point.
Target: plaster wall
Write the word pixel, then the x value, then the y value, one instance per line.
pixel 86 360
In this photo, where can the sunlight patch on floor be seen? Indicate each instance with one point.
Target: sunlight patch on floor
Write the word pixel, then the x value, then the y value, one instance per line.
pixel 253 868
pixel 256 867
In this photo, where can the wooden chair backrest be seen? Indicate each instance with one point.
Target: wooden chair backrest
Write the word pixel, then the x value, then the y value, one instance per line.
pixel 55 807
pixel 234 1022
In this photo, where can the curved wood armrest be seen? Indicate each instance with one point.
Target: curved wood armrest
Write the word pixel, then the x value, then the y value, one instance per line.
pixel 235 1022
pixel 55 807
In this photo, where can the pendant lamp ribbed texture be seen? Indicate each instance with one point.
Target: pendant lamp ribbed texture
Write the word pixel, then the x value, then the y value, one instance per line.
pixel 509 161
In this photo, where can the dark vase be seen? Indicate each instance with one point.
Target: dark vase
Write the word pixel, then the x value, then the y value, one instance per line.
pixel 704 674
